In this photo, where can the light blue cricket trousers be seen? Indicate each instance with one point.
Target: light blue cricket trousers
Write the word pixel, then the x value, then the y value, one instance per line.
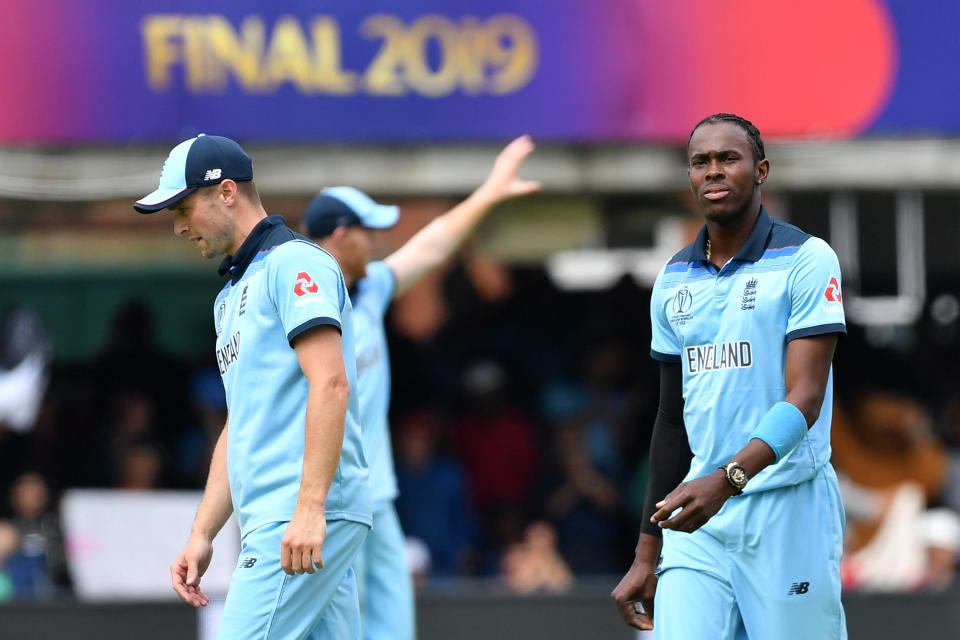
pixel 264 603
pixel 767 566
pixel 384 580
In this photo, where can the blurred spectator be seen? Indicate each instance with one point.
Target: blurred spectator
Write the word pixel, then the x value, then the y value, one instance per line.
pixel 535 563
pixel 9 541
pixel 950 422
pixel 38 566
pixel 887 441
pixel 606 416
pixel 209 412
pixel 141 466
pixel 432 506
pixel 497 445
pixel 25 352
pixel 941 536
pixel 892 468
pixel 141 388
pixel 135 454
pixel 494 440
pixel 418 559
pixel 593 423
pixel 584 504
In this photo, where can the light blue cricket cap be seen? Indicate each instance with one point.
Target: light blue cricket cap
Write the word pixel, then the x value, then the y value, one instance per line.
pixel 197 162
pixel 345 207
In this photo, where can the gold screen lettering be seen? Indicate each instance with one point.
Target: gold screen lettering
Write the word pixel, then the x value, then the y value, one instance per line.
pixel 432 56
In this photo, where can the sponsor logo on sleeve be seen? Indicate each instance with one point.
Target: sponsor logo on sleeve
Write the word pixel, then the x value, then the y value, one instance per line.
pixel 834 297
pixel 718 357
pixel 305 284
pixel 832 293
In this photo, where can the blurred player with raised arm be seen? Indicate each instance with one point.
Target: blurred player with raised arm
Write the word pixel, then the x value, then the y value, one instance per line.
pixel 290 459
pixel 745 322
pixel 341 220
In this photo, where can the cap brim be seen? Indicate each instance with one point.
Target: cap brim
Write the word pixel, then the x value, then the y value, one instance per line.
pixel 382 216
pixel 161 199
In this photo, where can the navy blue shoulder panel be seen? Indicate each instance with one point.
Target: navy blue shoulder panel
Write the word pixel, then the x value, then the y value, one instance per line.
pixel 786 235
pixel 279 234
pixel 684 255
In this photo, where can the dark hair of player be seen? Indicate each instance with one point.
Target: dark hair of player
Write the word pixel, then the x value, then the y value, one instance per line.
pixel 753 134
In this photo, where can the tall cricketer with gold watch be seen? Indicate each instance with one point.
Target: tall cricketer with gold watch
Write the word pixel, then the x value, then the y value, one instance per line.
pixel 743 523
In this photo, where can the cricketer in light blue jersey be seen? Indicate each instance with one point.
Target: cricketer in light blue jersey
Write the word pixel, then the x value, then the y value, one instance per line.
pixel 743 525
pixel 289 462
pixel 281 286
pixel 371 298
pixel 342 220
pixel 729 333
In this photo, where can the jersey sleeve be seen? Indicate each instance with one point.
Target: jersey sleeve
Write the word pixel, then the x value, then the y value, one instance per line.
pixel 816 301
pixel 664 345
pixel 306 288
pixel 380 285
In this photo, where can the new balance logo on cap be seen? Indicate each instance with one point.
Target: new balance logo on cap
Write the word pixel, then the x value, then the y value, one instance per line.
pixel 187 169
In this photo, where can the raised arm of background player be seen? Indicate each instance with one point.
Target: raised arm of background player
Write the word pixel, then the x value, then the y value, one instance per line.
pixel 214 510
pixel 806 373
pixel 433 244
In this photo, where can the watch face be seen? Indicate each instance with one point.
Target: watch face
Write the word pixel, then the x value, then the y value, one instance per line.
pixel 738 476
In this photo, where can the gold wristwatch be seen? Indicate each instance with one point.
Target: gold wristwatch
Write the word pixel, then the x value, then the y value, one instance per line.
pixel 736 476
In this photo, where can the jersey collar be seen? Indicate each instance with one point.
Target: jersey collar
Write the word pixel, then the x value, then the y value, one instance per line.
pixel 236 265
pixel 752 249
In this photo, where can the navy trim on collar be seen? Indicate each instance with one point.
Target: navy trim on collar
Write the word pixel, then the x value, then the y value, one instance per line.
pixel 236 265
pixel 698 251
pixel 751 251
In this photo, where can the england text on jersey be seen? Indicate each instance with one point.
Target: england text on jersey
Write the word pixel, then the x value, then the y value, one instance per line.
pixel 228 353
pixel 715 357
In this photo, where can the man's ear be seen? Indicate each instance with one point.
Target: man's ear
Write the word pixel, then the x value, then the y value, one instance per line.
pixel 763 171
pixel 228 191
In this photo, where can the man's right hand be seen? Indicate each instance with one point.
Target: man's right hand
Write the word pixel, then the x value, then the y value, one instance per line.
pixel 188 567
pixel 634 595
pixel 503 182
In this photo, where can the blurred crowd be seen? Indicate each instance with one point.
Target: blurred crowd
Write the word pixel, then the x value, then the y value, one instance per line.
pixel 520 423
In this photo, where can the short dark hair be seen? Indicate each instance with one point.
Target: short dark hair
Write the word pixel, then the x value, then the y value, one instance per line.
pixel 753 134
pixel 249 191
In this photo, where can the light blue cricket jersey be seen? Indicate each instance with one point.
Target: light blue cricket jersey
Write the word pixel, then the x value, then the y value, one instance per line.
pixel 729 331
pixel 371 298
pixel 282 284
